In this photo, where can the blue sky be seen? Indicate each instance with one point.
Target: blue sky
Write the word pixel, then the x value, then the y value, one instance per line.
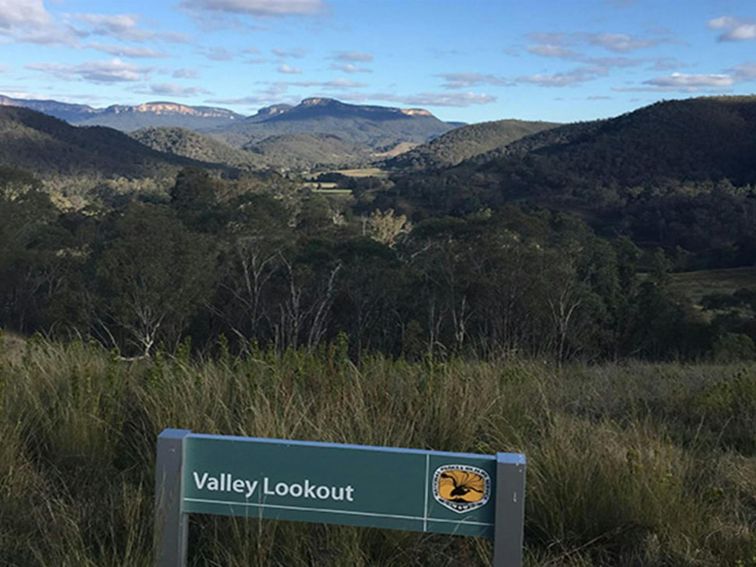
pixel 469 60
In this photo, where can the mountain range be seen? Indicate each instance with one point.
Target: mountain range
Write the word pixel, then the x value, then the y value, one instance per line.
pixel 315 132
pixel 373 126
pixel 376 127
pixel 130 117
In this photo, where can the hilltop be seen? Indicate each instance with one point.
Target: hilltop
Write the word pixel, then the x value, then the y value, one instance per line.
pixel 465 142
pixel 52 148
pixel 371 126
pixel 196 146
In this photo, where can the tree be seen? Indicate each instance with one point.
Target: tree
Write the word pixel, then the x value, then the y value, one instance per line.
pixel 33 259
pixel 386 227
pixel 152 276
pixel 256 238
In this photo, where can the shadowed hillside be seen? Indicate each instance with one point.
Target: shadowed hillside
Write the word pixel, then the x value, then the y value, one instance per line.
pixel 669 148
pixel 705 139
pixel 50 147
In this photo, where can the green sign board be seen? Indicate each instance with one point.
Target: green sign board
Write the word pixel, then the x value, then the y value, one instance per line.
pixel 339 484
pixel 415 490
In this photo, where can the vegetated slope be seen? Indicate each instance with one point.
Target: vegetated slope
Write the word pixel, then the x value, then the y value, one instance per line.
pixel 304 151
pixel 695 140
pixel 49 147
pixel 372 126
pixel 287 151
pixel 190 144
pixel 657 149
pixel 680 175
pixel 465 142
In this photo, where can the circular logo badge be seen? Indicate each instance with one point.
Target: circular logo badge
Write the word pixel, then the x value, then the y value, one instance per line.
pixel 461 488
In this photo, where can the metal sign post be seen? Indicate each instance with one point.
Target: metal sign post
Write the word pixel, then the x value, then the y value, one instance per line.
pixel 357 485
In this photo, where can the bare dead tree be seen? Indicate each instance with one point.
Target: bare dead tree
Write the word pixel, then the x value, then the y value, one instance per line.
pixel 296 315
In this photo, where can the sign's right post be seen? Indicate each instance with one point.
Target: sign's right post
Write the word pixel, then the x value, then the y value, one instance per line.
pixel 510 509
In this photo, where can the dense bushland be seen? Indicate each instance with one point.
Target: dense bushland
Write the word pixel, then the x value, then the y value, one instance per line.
pixel 632 464
pixel 257 264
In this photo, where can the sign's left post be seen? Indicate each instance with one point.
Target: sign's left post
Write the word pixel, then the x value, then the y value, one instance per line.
pixel 171 524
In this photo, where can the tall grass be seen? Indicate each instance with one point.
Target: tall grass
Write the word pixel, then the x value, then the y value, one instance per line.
pixel 628 465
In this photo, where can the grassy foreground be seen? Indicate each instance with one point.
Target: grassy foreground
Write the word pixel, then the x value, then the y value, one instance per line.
pixel 633 464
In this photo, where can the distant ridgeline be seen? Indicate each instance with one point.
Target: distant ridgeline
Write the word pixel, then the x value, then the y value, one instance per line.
pixel 318 131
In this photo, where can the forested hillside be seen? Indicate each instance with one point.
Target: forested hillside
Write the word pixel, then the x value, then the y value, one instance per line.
pixel 51 148
pixel 193 145
pixel 677 174
pixel 305 151
pixel 465 142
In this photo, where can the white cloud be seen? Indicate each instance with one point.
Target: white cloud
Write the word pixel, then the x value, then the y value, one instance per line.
pixel 274 93
pixel 185 73
pixel 289 53
pixel 565 79
pixel 552 50
pixel 289 70
pixel 554 44
pixel 685 81
pixel 349 68
pixel 25 13
pixel 744 72
pixel 457 99
pixel 606 63
pixel 218 54
pixel 667 64
pixel 353 56
pixel 170 89
pixel 734 28
pixel 126 51
pixel 620 42
pixel 467 80
pixel 28 21
pixel 122 26
pixel 113 71
pixel 330 85
pixel 258 7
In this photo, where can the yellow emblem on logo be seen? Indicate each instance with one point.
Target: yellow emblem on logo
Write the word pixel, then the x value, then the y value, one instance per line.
pixel 461 488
